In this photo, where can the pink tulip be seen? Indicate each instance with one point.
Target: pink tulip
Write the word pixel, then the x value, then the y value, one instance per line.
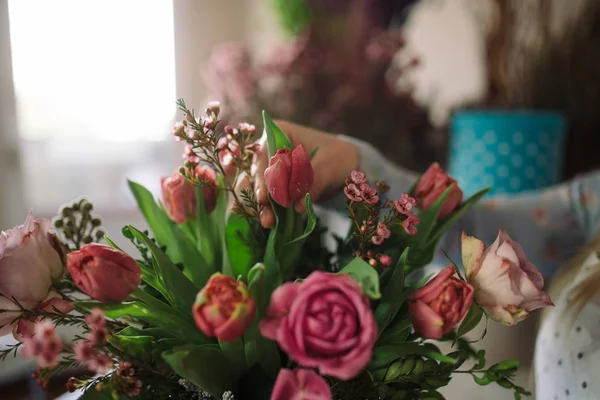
pixel 300 384
pixel 432 185
pixel 507 286
pixel 323 322
pixel 440 305
pixel 209 186
pixel 31 258
pixel 179 197
pixel 104 273
pixel 289 176
pixel 224 309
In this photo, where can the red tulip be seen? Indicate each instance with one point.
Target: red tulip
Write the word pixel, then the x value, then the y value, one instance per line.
pixel 104 273
pixel 289 176
pixel 434 182
pixel 224 309
pixel 440 305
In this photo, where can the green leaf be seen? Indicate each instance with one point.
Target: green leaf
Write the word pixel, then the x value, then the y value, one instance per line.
pixel 396 333
pixel 179 246
pixel 291 251
pixel 387 354
pixel 218 221
pixel 481 381
pixel 204 232
pixel 390 300
pixel 276 139
pixel 234 351
pixel 258 349
pixel 505 365
pixel 240 245
pixel 365 275
pixel 314 153
pixel 470 321
pixel 180 290
pixel 111 243
pixel 205 366
pixel 480 360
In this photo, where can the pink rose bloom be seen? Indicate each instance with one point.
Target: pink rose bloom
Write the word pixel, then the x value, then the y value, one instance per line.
pixel 323 322
pixel 31 258
pixel 289 176
pixel 300 384
pixel 440 305
pixel 104 273
pixel 224 308
pixel 432 186
pixel 179 197
pixel 507 286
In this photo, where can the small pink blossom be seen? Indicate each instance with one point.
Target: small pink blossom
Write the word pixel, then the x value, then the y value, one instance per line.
pixel 383 233
pixel 358 177
pixel 410 224
pixel 190 155
pixel 353 193
pixel 83 352
pixel 44 345
pixel 404 204
pixel 178 130
pixel 100 363
pixel 369 193
pixel 385 260
pixel 247 129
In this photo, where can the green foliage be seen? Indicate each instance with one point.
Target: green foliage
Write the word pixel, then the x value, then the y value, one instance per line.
pixel 366 276
pixel 294 15
pixel 241 245
pixel 392 297
pixel 470 321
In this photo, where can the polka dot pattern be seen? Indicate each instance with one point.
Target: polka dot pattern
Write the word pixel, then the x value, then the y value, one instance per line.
pixel 511 153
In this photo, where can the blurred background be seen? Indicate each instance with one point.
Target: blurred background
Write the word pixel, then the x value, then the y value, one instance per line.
pixel 503 93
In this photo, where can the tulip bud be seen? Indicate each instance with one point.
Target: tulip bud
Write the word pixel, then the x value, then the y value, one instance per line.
pixel 289 176
pixel 104 273
pixel 179 197
pixel 432 185
pixel 223 309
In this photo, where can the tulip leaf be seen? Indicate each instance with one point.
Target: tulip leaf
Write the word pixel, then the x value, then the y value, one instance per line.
pixel 180 290
pixel 276 139
pixel 313 153
pixel 205 366
pixel 396 333
pixel 387 354
pixel 204 232
pixel 258 349
pixel 290 253
pixel 392 299
pixel 217 221
pixel 180 248
pixel 241 245
pixel 365 275
pixel 470 321
pixel 111 243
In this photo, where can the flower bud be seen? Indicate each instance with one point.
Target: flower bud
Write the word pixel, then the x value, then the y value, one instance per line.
pixel 432 185
pixel 289 176
pixel 223 309
pixel 179 197
pixel 104 273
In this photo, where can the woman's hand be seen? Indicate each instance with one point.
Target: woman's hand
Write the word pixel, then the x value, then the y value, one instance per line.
pixel 334 161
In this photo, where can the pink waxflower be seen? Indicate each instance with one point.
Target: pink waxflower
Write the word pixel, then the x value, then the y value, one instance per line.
pixel 404 204
pixel 382 233
pixel 300 384
pixel 100 363
pixel 83 351
pixel 440 305
pixel 369 193
pixel 353 193
pixel 410 224
pixel 190 155
pixel 507 285
pixel 104 273
pixel 434 182
pixel 179 130
pixel 54 304
pixel 289 176
pixel 385 260
pixel 323 322
pixel 214 107
pixel 31 259
pixel 224 308
pixel 229 153
pixel 358 177
pixel 247 129
pixel 179 197
pixel 45 346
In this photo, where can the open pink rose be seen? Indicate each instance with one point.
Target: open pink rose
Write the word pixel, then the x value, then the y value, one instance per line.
pixel 224 308
pixel 507 286
pixel 440 305
pixel 300 384
pixel 432 185
pixel 323 322
pixel 31 258
pixel 104 273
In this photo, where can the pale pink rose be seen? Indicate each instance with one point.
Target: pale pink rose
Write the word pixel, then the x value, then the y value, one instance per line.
pixel 507 286
pixel 54 304
pixel 300 384
pixel 31 259
pixel 323 322
pixel 440 305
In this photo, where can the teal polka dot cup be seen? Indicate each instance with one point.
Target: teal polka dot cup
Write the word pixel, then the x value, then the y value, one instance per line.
pixel 510 151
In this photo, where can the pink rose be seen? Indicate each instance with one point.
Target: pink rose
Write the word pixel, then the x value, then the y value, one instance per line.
pixel 300 384
pixel 440 305
pixel 104 273
pixel 507 286
pixel 432 185
pixel 323 322
pixel 224 308
pixel 289 176
pixel 31 258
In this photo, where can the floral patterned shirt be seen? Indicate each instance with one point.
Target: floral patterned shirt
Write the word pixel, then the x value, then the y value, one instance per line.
pixel 550 224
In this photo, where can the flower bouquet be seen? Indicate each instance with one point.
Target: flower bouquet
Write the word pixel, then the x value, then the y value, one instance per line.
pixel 213 306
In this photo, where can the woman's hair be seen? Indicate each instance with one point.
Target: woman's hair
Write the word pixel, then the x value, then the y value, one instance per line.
pixel 580 294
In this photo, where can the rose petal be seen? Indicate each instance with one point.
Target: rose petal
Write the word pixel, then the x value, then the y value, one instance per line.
pixel 472 254
pixel 425 321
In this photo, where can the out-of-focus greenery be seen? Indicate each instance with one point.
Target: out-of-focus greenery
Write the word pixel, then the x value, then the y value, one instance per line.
pixel 294 15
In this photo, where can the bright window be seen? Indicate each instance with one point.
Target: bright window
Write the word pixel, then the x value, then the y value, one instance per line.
pixel 93 69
